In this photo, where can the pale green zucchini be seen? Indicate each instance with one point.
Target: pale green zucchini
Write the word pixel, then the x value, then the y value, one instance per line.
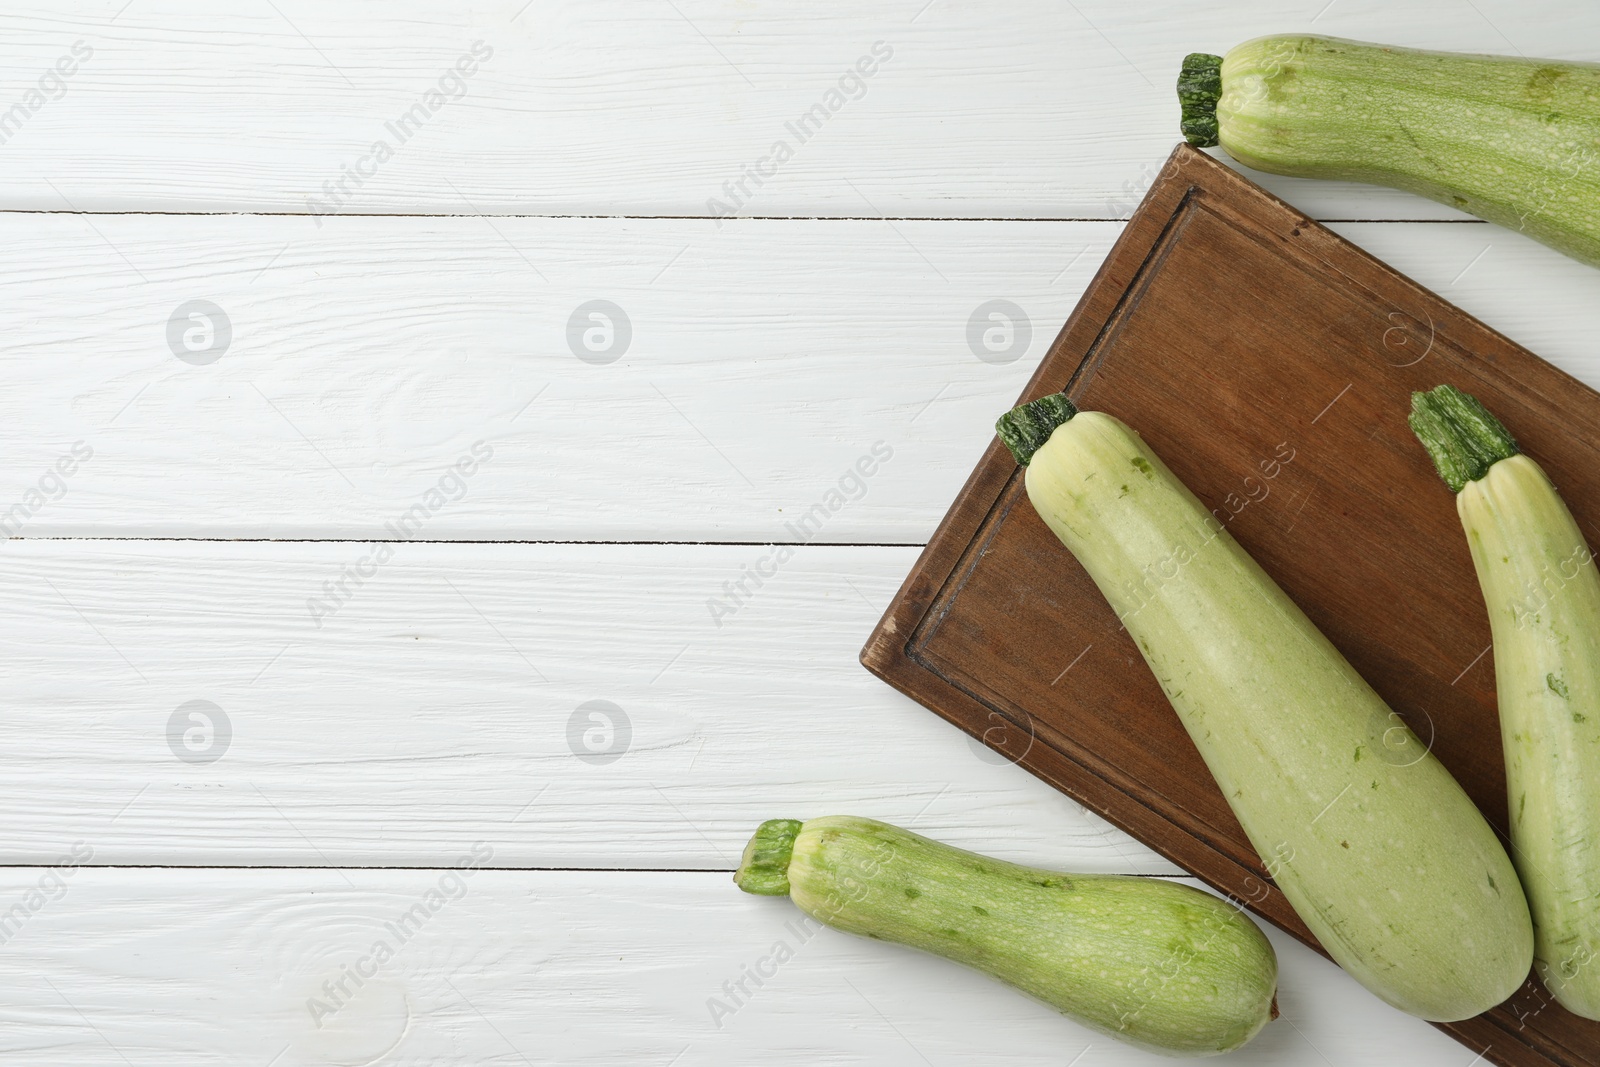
pixel 1378 849
pixel 1515 141
pixel 1539 581
pixel 1158 964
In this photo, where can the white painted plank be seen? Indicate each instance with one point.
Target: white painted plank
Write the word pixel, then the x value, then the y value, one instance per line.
pixel 133 967
pixel 764 362
pixel 1028 109
pixel 449 699
pixel 365 358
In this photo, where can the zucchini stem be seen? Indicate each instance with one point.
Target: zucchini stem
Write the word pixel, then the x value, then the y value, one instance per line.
pixel 764 868
pixel 1025 429
pixel 1461 436
pixel 1199 89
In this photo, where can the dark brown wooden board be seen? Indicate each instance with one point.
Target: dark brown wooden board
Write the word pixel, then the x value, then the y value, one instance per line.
pixel 1229 330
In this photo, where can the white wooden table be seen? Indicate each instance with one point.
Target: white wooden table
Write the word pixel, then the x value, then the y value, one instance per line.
pixel 366 508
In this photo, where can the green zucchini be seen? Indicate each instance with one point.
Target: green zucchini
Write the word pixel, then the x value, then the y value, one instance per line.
pixel 1378 849
pixel 1539 581
pixel 1514 141
pixel 1155 963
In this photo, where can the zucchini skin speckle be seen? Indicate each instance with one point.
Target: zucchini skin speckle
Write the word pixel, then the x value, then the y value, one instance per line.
pixel 1540 585
pixel 1515 141
pixel 1158 964
pixel 1539 582
pixel 1385 859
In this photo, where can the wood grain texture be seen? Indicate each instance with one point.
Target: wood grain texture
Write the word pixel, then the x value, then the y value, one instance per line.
pixel 154 967
pixel 765 360
pixel 442 702
pixel 1285 412
pixel 643 108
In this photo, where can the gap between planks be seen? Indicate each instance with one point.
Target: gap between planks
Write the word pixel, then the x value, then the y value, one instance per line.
pixel 474 541
pixel 668 218
pixel 425 868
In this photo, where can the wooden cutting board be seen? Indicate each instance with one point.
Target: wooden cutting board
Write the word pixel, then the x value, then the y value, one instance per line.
pixel 1270 363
